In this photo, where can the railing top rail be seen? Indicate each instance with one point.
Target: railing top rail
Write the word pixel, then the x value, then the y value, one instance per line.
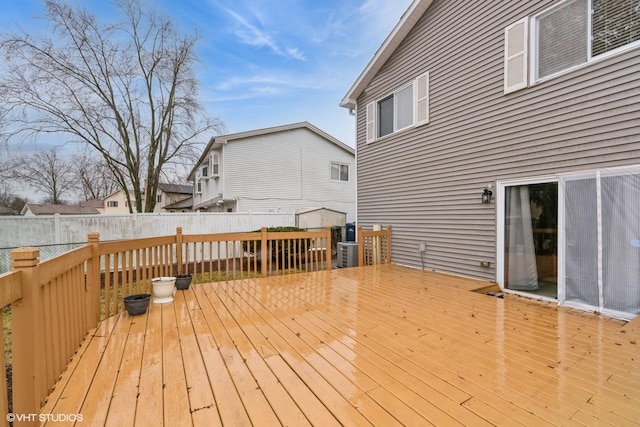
pixel 281 235
pixel 252 235
pixel 114 246
pixel 221 237
pixel 58 265
pixel 374 233
pixel 10 287
pixel 366 233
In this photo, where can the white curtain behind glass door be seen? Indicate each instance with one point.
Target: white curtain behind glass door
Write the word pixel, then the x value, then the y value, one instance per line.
pixel 520 254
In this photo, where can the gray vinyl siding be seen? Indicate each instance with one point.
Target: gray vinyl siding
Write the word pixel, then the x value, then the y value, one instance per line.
pixel 427 182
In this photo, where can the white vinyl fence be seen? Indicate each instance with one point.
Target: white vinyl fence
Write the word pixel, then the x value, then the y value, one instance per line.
pixel 59 233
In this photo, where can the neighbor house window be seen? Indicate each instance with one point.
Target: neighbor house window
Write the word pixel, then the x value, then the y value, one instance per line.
pixel 205 171
pixel 402 109
pixel 159 198
pixel 339 172
pixel 215 164
pixel 199 187
pixel 112 204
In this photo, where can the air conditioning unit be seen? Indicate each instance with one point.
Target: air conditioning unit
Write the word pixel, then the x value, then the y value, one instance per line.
pixel 347 254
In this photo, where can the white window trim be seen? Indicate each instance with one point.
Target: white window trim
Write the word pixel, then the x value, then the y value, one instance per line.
pixel 214 156
pixel 561 179
pixel 340 164
pixel 500 232
pixel 593 60
pixel 371 113
pixel 395 109
pixel 533 48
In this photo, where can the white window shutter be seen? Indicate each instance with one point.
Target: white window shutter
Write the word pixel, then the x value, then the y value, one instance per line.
pixel 422 99
pixel 371 122
pixel 516 57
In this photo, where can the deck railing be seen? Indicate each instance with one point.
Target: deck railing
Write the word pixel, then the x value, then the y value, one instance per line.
pixel 374 246
pixel 54 303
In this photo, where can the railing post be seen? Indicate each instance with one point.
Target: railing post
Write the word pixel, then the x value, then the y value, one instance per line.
pixel 92 283
pixel 360 240
pixel 264 252
pixel 327 252
pixel 179 249
pixel 28 383
pixel 388 261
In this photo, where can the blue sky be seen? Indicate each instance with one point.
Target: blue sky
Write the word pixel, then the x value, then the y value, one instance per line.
pixel 268 62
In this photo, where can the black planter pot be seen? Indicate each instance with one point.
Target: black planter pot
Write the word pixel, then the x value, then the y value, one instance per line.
pixel 137 303
pixel 183 281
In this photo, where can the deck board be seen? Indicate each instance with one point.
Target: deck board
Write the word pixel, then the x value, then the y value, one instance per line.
pixel 381 345
pixel 125 390
pixel 149 403
pixel 201 401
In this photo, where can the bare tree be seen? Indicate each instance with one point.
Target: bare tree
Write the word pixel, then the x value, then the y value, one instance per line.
pixel 94 180
pixel 9 200
pixel 47 172
pixel 128 90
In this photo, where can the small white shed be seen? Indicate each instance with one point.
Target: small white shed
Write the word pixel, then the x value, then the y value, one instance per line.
pixel 316 218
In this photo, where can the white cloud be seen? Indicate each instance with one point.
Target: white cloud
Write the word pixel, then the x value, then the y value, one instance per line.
pixel 252 35
pixel 296 53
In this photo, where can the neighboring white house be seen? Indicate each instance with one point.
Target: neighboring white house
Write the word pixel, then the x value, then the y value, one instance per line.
pixel 169 198
pixel 278 169
pixel 116 203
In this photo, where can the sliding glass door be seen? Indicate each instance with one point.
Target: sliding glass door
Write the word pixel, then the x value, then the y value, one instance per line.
pixel 603 241
pixel 531 238
pixel 574 238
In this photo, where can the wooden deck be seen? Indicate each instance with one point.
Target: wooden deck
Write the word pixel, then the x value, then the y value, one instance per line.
pixel 384 345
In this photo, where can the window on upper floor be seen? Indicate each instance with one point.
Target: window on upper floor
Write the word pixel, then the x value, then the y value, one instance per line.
pixel 215 164
pixel 199 187
pixel 112 204
pixel 567 35
pixel 339 172
pixel 205 171
pixel 404 108
pixel 159 198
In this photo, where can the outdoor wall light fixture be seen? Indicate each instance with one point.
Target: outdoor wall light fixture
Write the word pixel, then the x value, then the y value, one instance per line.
pixel 486 195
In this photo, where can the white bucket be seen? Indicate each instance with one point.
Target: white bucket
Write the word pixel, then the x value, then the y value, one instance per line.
pixel 163 288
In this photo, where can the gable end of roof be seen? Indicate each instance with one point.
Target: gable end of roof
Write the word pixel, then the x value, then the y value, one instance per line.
pixel 384 52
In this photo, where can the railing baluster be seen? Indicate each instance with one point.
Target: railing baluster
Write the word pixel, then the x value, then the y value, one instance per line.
pixel 52 340
pixel 107 286
pixel 129 269
pixel 241 256
pixel 119 291
pixel 233 258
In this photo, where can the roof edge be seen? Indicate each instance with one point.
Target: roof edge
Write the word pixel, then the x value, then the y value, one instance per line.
pixel 384 52
pixel 224 139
